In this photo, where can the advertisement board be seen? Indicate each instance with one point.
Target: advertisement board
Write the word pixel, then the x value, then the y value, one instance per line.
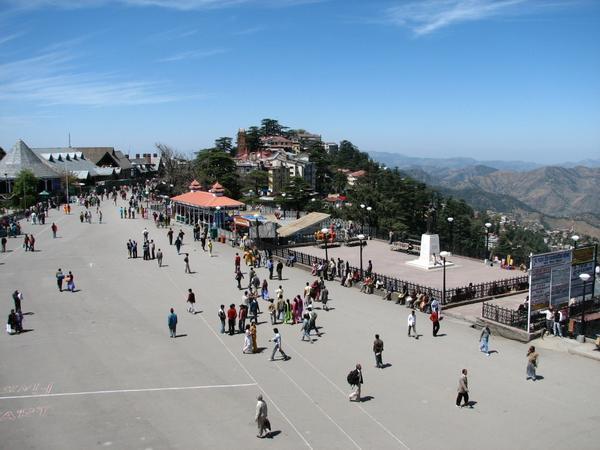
pixel 549 279
pixel 583 262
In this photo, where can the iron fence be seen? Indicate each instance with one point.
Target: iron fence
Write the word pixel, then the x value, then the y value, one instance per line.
pixel 505 316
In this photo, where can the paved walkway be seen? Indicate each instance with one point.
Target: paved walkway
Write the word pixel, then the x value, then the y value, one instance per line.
pixel 97 368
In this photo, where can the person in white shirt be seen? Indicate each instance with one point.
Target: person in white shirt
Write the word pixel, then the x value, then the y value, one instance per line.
pixel 277 340
pixel 412 324
pixel 549 320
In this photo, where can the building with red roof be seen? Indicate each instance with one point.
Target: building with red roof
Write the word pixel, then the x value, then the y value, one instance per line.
pixel 202 206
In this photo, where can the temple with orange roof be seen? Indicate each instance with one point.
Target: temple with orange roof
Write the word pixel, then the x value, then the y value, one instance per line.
pixel 202 206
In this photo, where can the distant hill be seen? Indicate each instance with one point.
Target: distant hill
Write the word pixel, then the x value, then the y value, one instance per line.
pixel 552 194
pixel 403 162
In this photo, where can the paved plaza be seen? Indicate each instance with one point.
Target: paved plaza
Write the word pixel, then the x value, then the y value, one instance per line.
pixel 97 368
pixel 391 263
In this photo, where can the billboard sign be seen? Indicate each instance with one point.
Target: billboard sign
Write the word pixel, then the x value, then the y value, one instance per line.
pixel 550 278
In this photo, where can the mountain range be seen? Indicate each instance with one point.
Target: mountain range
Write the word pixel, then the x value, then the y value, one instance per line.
pixel 542 193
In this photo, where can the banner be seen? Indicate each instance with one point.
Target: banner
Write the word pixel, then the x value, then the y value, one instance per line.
pixel 583 262
pixel 549 279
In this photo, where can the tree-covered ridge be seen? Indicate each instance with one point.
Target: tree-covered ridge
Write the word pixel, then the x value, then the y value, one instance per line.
pixel 382 199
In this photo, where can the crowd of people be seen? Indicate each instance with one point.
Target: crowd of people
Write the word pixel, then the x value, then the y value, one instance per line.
pixel 295 309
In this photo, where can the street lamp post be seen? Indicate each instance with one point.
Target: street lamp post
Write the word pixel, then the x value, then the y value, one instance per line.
pixel 487 240
pixel 583 277
pixel 325 231
pixel 575 239
pixel 369 209
pixel 444 254
pixel 362 217
pixel 361 238
pixel 451 223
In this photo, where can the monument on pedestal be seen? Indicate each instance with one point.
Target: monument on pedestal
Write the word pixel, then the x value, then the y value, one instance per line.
pixel 429 256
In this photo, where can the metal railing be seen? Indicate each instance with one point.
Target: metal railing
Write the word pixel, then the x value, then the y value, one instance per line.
pixel 505 316
pixel 453 295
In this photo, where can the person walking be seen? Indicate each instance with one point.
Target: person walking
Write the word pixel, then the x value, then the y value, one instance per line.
pixel 54 230
pixel 355 379
pixel 306 328
pixel 272 312
pixel 172 322
pixel 412 324
pixel 557 320
pixel 12 324
pixel 463 390
pixel 17 298
pixel 532 362
pixel 4 241
pixel 236 263
pixel 247 348
pixel 222 316
pixel 152 249
pixel 60 276
pixel 170 236
pixel 253 335
pixel 280 270
pixel 378 350
pixel 277 348
pixel 178 245
pixel 270 267
pixel 191 300
pixel 186 260
pixel 435 320
pixel 231 316
pixel 261 418
pixel 242 316
pixel 210 248
pixel 238 277
pixel 159 257
pixel 484 339
pixel 70 282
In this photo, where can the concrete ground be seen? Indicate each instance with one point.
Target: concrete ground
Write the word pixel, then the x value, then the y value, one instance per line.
pixel 97 369
pixel 391 263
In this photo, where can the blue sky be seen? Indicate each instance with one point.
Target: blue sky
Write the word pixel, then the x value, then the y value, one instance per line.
pixel 503 79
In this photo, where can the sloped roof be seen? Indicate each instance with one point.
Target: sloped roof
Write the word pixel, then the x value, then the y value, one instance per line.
pixel 206 200
pixel 123 160
pixel 74 161
pixel 22 157
pixel 307 221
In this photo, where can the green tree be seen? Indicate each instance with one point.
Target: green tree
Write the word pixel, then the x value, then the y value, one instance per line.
pixel 256 180
pixel 25 189
pixel 297 194
pixel 519 243
pixel 253 139
pixel 271 127
pixel 224 144
pixel 318 155
pixel 215 165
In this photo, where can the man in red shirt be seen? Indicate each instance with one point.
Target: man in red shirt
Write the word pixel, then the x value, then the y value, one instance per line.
pixel 435 319
pixel 231 316
pixel 237 262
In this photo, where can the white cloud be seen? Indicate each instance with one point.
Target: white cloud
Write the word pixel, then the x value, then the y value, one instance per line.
pixel 53 78
pixel 192 54
pixel 426 16
pixel 10 37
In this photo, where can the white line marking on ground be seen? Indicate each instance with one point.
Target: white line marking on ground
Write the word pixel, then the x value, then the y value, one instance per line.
pixel 383 427
pixel 318 407
pixel 246 370
pixel 126 391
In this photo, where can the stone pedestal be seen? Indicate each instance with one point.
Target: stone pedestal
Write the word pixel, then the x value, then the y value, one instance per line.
pixel 429 258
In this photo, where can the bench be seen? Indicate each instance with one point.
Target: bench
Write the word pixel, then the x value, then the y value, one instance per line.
pixel 405 247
